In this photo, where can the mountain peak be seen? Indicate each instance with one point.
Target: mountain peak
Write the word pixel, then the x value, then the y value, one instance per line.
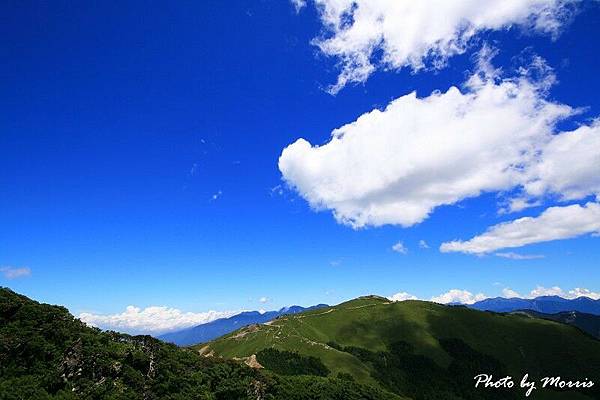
pixel 373 297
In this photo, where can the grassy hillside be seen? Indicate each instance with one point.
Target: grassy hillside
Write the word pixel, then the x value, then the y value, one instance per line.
pixel 407 345
pixel 588 323
pixel 46 353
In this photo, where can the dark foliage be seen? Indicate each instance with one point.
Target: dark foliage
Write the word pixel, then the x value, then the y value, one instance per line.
pixel 290 363
pixel 46 353
pixel 419 377
pixel 315 388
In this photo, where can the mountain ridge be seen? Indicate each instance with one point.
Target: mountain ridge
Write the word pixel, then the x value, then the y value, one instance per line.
pixel 422 349
pixel 588 323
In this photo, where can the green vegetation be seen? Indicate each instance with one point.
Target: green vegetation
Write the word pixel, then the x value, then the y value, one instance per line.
pixel 588 323
pixel 311 388
pixel 290 363
pixel 46 353
pixel 414 375
pixel 424 350
pixel 365 349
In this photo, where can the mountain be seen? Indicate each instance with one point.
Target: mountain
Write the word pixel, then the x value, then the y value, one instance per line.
pixel 543 304
pixel 588 323
pixel 212 330
pixel 420 350
pixel 365 349
pixel 46 353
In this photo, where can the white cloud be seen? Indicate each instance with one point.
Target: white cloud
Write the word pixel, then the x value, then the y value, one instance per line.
pixel 542 291
pixel 579 292
pixel 400 248
pixel 517 256
pixel 216 195
pixel 423 244
pixel 402 296
pixel 420 34
pixel 466 297
pixel 194 169
pixel 568 165
pixel 151 320
pixel 517 204
pixel 397 165
pixel 509 293
pixel 298 4
pixel 557 291
pixel 553 224
pixel 15 273
pixel 458 296
pixel 263 300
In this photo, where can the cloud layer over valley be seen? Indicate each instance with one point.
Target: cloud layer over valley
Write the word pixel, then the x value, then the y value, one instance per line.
pixel 151 320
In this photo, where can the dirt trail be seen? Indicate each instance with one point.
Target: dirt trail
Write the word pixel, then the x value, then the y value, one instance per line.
pixel 206 351
pixel 252 362
pixel 314 315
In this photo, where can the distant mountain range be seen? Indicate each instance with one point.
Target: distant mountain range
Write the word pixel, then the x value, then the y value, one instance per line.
pixel 212 330
pixel 543 304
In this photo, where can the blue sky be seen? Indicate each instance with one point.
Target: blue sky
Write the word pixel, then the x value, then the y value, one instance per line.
pixel 139 150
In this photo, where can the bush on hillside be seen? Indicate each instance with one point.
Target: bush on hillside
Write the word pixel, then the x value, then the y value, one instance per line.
pixel 290 363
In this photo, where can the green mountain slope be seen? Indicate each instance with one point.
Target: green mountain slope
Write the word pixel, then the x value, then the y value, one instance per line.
pixel 424 350
pixel 588 323
pixel 46 353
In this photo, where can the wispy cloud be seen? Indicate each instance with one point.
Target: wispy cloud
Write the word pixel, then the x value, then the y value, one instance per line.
pixel 298 4
pixel 366 35
pixel 278 190
pixel 194 169
pixel 400 248
pixel 216 195
pixel 15 272
pixel 517 256
pixel 553 224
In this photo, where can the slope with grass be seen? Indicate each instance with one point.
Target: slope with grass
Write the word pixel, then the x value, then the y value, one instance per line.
pixel 588 323
pixel 405 346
